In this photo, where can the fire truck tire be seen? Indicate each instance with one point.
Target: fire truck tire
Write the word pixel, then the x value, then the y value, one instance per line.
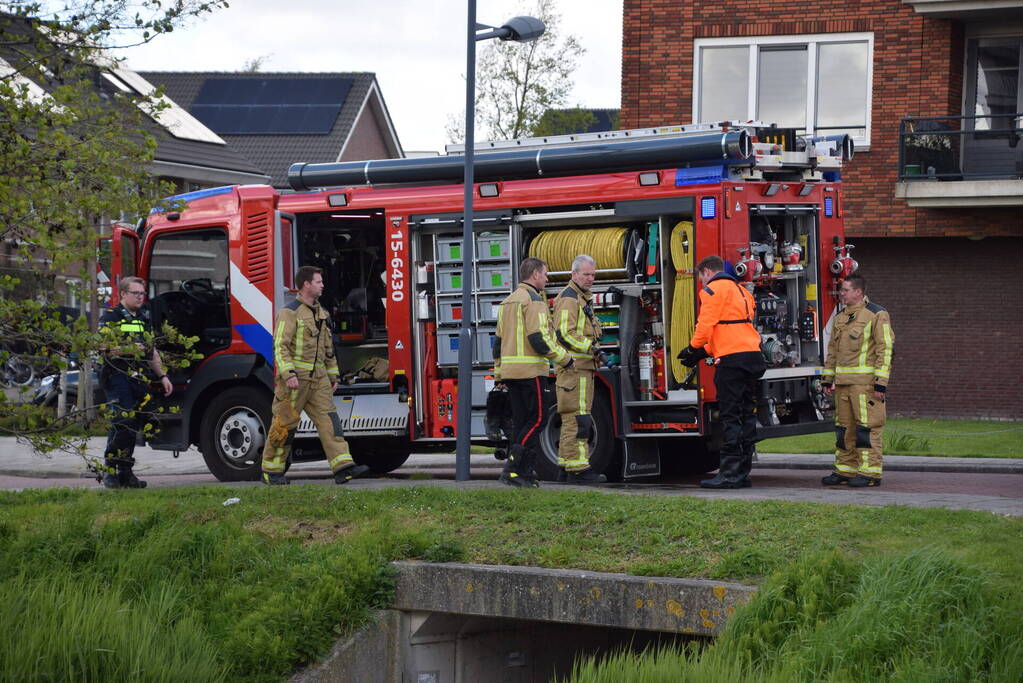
pixel 233 431
pixel 604 452
pixel 382 454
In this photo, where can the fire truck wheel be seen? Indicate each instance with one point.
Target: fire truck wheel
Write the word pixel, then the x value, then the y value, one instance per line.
pixel 382 454
pixel 233 431
pixel 604 456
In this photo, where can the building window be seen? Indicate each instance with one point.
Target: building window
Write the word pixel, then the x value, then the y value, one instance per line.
pixel 820 84
pixel 995 64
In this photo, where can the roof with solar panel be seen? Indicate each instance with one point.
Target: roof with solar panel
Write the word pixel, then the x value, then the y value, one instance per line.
pixel 275 118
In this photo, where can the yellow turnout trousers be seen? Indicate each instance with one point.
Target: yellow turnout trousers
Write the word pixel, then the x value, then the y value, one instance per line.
pixel 859 420
pixel 574 389
pixel 314 397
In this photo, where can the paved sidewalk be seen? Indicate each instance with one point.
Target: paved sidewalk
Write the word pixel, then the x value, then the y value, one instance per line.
pixel 17 460
pixel 782 477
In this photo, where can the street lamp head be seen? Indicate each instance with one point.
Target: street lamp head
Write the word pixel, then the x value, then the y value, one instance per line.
pixel 523 29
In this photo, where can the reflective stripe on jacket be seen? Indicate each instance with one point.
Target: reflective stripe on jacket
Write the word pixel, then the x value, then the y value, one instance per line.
pixel 525 341
pixel 725 324
pixel 860 351
pixel 576 326
pixel 303 343
pixel 121 328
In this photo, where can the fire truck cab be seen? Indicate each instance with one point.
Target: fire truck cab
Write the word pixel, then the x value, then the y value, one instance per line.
pixel 646 204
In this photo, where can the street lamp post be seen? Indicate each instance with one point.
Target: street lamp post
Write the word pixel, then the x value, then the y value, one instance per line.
pixel 519 29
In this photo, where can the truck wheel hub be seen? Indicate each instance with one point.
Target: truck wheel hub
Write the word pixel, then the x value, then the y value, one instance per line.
pixel 241 435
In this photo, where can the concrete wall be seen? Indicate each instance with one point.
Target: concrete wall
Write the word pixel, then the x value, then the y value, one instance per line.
pixel 459 623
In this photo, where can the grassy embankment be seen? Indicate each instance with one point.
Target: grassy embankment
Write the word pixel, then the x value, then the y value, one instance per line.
pixel 906 436
pixel 171 585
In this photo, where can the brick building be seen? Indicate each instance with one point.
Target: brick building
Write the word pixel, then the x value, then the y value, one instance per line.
pixel 931 92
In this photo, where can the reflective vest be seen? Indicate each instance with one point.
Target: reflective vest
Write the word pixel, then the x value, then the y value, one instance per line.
pixel 576 325
pixel 725 325
pixel 120 327
pixel 525 342
pixel 860 351
pixel 303 342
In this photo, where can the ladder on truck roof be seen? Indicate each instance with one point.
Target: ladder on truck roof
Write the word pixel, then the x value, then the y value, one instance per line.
pixel 775 149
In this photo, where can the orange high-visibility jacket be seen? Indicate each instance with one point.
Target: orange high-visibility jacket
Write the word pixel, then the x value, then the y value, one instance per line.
pixel 725 325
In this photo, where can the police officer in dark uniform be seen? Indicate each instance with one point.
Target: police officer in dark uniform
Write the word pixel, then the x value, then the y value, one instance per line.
pixel 126 358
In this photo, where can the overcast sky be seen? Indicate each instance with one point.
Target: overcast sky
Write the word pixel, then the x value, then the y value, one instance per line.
pixel 415 47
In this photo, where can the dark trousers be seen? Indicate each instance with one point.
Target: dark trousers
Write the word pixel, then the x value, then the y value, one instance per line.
pixel 736 382
pixel 528 415
pixel 126 397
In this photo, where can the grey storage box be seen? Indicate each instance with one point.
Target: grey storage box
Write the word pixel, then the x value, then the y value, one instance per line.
pixel 447 346
pixel 487 307
pixel 449 311
pixel 478 424
pixel 495 277
pixel 493 246
pixel 484 345
pixel 449 249
pixel 449 280
pixel 482 383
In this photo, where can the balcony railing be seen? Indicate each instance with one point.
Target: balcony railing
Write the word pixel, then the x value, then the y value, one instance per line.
pixel 961 147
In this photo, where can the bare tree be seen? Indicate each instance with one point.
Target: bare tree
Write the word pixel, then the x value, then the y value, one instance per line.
pixel 517 83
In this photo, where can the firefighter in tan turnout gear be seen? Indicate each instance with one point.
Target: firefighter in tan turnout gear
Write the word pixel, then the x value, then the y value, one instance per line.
pixel 307 375
pixel 856 372
pixel 524 346
pixel 578 330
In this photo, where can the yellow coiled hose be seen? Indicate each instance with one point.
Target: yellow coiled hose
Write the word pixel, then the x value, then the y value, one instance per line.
pixel 683 304
pixel 560 247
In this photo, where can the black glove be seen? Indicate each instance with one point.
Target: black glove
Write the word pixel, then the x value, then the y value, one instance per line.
pixel 691 356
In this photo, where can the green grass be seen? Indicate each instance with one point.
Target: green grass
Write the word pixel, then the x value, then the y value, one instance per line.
pixel 914 616
pixel 906 436
pixel 150 583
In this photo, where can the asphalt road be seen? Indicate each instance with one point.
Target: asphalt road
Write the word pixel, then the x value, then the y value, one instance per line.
pixel 991 484
pixel 983 484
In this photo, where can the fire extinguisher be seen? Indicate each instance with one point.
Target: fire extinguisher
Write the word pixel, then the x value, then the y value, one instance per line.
pixel 660 379
pixel 645 353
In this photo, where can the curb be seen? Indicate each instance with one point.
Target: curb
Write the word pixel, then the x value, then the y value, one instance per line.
pixel 766 461
pixel 979 468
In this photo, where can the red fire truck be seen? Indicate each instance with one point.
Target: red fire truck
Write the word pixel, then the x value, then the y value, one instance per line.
pixel 647 204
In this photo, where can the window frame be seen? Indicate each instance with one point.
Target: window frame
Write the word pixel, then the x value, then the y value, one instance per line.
pixel 812 43
pixel 187 232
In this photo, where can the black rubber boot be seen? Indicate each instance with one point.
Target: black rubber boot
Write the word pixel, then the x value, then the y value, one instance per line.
pixel 518 470
pixel 343 476
pixel 586 476
pixel 835 479
pixel 859 481
pixel 529 468
pixel 127 477
pixel 730 475
pixel 110 481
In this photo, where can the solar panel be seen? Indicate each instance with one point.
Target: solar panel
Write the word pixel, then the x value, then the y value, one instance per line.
pixel 271 106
